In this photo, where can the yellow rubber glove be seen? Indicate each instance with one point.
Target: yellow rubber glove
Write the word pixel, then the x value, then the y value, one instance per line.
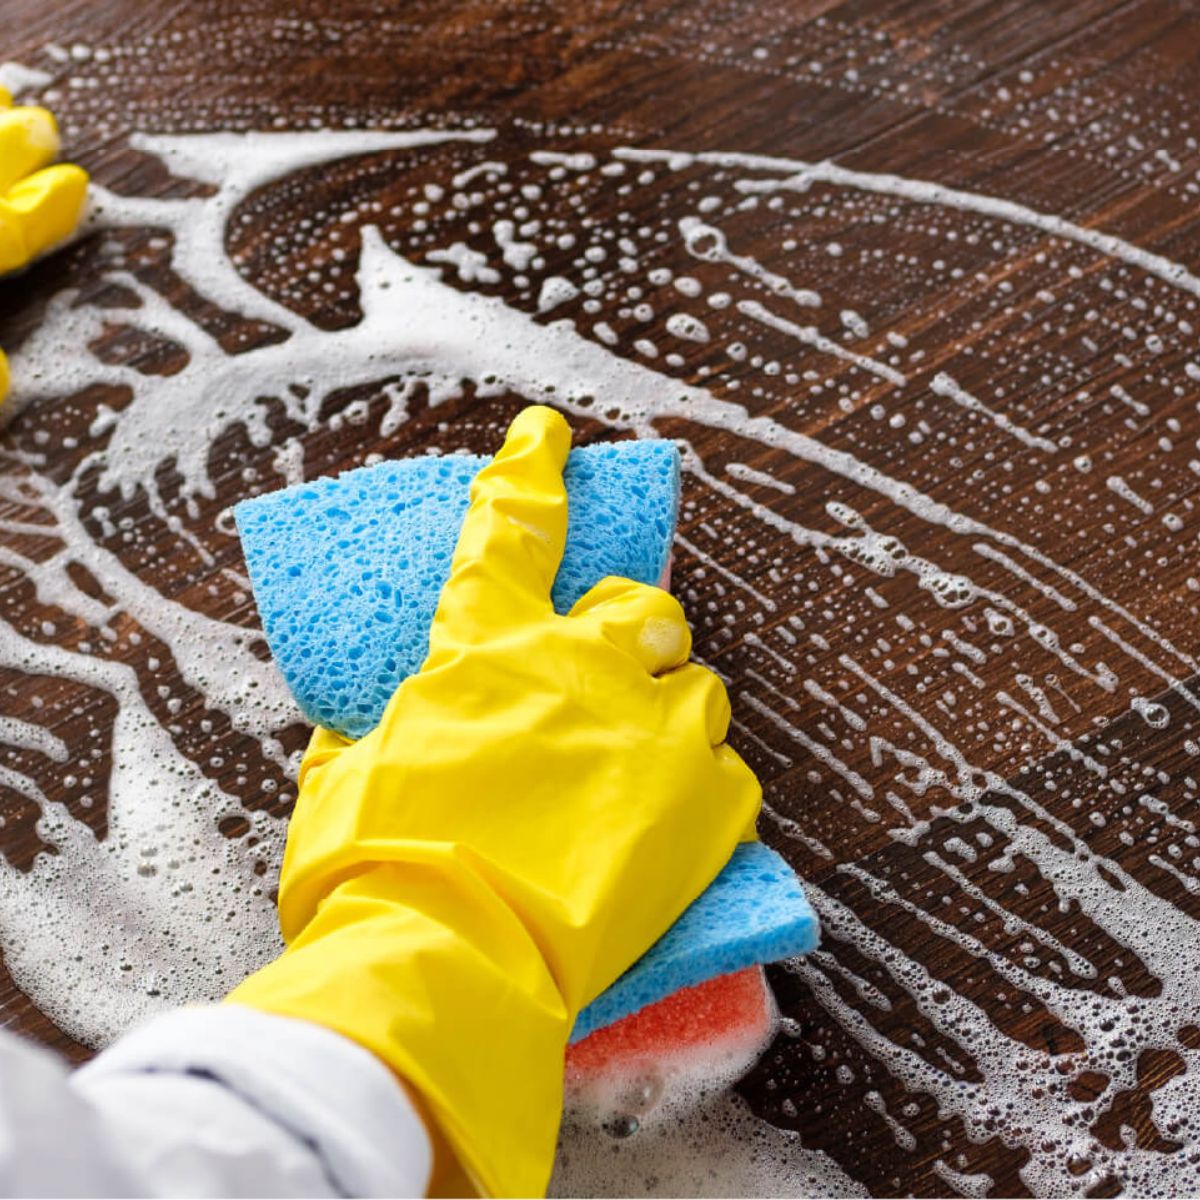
pixel 536 808
pixel 39 205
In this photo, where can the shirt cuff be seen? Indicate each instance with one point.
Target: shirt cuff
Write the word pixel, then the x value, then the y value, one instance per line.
pixel 323 1088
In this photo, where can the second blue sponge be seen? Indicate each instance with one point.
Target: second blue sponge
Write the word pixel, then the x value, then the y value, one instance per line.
pixel 753 912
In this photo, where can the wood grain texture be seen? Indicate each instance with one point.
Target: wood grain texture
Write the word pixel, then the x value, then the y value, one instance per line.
pixel 908 699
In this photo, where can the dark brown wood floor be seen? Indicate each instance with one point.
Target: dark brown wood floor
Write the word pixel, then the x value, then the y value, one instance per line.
pixel 959 623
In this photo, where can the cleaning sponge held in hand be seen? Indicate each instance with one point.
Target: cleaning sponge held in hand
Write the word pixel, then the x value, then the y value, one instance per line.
pixel 347 573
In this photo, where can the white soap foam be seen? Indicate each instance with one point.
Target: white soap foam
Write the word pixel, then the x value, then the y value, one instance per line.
pixel 20 80
pixel 421 322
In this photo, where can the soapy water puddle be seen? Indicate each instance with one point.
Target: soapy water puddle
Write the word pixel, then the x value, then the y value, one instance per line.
pixel 977 749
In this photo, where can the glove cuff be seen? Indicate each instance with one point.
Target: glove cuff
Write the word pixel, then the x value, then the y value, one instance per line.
pixel 456 1000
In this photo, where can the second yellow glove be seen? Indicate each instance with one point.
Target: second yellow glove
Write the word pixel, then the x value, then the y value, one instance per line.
pixel 40 205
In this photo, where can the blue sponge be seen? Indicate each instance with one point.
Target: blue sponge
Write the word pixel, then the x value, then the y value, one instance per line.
pixel 753 912
pixel 346 573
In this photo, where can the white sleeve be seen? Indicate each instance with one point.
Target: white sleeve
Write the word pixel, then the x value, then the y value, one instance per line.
pixel 210 1101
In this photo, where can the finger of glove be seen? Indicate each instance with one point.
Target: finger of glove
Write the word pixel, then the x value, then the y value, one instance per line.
pixel 728 790
pixel 39 212
pixel 698 698
pixel 323 746
pixel 701 689
pixel 512 537
pixel 4 379
pixel 28 140
pixel 643 621
pixel 741 787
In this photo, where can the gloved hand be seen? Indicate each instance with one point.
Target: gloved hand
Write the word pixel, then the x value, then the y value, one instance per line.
pixel 536 808
pixel 39 205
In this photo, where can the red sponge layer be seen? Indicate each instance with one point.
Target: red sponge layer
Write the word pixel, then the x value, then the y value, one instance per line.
pixel 720 1017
